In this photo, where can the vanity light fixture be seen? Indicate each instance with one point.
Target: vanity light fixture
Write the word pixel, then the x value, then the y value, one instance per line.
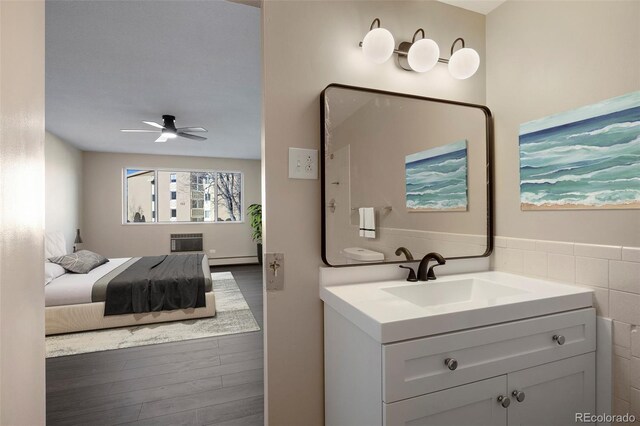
pixel 378 45
pixel 422 55
pixel 418 55
pixel 464 62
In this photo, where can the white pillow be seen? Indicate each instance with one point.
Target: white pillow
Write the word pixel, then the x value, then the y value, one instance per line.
pixel 52 271
pixel 54 244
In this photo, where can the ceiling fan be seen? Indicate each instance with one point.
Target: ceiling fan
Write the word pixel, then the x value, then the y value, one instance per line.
pixel 169 131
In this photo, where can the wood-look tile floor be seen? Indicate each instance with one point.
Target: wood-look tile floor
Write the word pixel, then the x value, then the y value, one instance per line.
pixel 212 381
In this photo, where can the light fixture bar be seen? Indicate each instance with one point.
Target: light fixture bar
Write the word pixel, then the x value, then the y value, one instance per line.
pixel 462 63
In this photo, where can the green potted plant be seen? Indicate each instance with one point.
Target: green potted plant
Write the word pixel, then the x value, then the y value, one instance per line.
pixel 255 221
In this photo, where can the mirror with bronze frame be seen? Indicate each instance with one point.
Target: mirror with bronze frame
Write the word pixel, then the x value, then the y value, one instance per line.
pixel 402 176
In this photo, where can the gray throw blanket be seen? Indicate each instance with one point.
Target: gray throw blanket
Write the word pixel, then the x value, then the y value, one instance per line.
pixel 157 283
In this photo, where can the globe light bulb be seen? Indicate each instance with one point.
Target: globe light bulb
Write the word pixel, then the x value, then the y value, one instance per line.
pixel 464 63
pixel 378 45
pixel 423 55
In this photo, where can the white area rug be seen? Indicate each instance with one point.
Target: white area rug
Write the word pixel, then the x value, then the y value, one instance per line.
pixel 232 316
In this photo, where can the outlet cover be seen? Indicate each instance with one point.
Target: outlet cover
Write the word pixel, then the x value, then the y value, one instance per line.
pixel 303 163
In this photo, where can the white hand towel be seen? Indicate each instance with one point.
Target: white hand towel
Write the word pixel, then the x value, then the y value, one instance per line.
pixel 369 222
pixel 361 213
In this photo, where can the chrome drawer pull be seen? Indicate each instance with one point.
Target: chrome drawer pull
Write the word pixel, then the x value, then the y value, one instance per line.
pixel 518 395
pixel 504 401
pixel 559 339
pixel 451 363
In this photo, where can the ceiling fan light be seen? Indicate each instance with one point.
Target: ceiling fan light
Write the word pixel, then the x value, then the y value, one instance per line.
pixel 169 135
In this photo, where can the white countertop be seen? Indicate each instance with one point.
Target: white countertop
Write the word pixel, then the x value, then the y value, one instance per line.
pixel 389 318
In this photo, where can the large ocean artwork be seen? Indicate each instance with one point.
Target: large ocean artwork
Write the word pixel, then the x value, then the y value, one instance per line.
pixel 436 179
pixel 588 158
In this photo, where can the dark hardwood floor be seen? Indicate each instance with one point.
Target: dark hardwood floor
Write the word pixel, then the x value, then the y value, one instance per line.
pixel 212 381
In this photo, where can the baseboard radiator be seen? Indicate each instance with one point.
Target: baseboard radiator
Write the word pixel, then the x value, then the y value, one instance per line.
pixel 181 243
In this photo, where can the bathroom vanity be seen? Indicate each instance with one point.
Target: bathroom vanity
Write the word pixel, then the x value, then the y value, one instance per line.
pixel 487 348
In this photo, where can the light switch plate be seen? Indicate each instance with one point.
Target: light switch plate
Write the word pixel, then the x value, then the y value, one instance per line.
pixel 275 271
pixel 303 163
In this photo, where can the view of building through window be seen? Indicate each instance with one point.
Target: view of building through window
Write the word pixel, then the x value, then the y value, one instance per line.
pixel 182 196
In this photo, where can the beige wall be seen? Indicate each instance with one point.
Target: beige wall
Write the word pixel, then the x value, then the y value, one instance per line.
pixel 544 58
pixel 63 188
pixel 22 390
pixel 308 45
pixel 548 57
pixel 104 232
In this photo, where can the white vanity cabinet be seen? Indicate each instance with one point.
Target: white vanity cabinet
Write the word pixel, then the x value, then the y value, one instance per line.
pixel 528 372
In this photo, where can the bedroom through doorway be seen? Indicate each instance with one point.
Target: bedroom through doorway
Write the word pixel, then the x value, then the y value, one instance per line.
pixel 153 255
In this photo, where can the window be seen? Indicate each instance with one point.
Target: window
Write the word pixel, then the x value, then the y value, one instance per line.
pixel 182 196
pixel 140 191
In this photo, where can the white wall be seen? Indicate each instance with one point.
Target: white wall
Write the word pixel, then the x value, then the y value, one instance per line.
pixel 104 233
pixel 63 188
pixel 308 45
pixel 22 390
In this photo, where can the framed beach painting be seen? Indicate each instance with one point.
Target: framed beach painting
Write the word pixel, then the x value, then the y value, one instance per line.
pixel 436 179
pixel 587 158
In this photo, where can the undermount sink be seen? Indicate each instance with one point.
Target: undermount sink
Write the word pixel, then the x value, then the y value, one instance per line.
pixel 391 311
pixel 454 291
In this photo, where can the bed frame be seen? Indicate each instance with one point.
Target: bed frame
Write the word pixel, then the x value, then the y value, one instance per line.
pixel 90 316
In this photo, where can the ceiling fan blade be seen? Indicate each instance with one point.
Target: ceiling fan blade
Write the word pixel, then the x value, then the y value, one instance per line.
pixel 154 124
pixel 194 137
pixel 139 131
pixel 162 138
pixel 191 129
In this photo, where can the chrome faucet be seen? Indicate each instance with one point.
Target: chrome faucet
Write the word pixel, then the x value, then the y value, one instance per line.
pixel 405 251
pixel 424 272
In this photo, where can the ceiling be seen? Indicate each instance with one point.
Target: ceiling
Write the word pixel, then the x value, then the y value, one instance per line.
pixel 112 64
pixel 480 6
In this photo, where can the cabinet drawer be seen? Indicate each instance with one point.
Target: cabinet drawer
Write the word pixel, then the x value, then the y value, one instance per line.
pixel 417 367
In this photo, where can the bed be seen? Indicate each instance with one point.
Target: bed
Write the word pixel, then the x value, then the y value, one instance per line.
pixel 78 302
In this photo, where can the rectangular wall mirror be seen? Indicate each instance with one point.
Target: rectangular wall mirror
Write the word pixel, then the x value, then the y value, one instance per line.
pixel 403 176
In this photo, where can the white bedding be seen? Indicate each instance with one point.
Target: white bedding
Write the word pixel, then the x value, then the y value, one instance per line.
pixel 72 289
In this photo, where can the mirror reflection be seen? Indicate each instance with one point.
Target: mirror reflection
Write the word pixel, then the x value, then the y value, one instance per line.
pixel 403 176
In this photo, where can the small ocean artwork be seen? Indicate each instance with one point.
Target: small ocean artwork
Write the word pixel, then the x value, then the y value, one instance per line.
pixel 436 179
pixel 587 158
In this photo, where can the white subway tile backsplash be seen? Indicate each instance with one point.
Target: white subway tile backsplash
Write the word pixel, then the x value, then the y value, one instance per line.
pixel 620 406
pixel 622 334
pixel 634 372
pixel 601 301
pixel 624 276
pixel 622 352
pixel 621 378
pixel 631 254
pixel 513 261
pixel 521 244
pixel 635 341
pixel 592 271
pixel 535 263
pixel 500 242
pixel 624 307
pixel 594 250
pixel 556 247
pixel 561 267
pixel 634 402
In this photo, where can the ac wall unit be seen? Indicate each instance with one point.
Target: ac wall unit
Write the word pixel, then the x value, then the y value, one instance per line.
pixel 186 242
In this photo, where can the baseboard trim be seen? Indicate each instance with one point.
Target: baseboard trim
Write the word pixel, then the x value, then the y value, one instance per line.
pixel 241 260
